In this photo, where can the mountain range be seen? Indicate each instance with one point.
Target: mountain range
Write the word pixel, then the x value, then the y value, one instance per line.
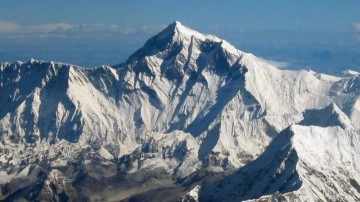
pixel 188 117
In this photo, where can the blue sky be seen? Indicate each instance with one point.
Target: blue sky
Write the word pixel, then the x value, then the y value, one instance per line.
pixel 95 32
pixel 327 15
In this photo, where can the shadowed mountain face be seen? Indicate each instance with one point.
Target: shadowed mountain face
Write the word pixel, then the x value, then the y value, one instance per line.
pixel 187 116
pixel 273 171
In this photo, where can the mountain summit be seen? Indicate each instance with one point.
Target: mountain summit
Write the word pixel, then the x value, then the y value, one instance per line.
pixel 186 115
pixel 178 50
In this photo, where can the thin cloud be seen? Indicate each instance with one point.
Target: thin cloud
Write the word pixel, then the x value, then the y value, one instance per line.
pixel 8 27
pixel 357 26
pixel 278 64
pixel 98 29
pixel 15 30
pixel 46 28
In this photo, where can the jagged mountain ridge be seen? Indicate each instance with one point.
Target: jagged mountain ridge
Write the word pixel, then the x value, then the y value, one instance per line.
pixel 183 102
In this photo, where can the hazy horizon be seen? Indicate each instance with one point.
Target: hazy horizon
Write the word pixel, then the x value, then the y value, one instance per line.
pixel 323 36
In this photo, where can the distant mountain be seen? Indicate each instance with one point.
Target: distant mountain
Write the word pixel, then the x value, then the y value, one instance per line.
pixel 186 117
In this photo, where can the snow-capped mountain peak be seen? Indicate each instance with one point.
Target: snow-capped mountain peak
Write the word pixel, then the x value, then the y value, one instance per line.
pixel 326 117
pixel 183 32
pixel 177 38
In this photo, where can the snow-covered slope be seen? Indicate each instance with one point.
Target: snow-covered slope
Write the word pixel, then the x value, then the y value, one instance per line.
pixel 304 163
pixel 182 103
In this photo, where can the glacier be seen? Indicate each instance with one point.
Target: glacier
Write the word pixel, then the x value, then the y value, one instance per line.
pixel 187 117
